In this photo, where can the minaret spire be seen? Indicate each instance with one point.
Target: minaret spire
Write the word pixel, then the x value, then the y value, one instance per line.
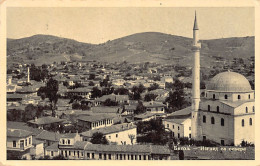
pixel 195 128
pixel 195 27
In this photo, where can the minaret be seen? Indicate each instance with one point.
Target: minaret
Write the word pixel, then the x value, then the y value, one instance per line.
pixel 28 75
pixel 195 121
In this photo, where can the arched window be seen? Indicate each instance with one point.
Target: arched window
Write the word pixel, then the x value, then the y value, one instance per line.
pixel 208 107
pixel 217 108
pixel 248 96
pixel 212 120
pixel 204 119
pixel 253 108
pixel 214 96
pixel 246 110
pixel 222 122
pixel 226 97
pixel 243 122
pixel 250 122
pixel 238 97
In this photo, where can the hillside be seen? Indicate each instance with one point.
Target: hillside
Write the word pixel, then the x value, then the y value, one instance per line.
pixel 141 47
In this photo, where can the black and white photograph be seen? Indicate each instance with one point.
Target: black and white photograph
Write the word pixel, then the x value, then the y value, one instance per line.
pixel 129 83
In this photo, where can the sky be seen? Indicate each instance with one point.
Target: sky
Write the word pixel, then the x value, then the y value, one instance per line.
pixel 98 24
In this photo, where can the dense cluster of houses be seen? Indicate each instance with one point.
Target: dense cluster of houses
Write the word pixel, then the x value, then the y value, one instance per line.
pixel 33 139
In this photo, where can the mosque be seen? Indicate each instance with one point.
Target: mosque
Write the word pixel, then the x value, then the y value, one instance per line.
pixel 225 114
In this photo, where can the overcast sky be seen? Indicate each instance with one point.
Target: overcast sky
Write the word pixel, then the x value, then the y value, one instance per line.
pixel 97 25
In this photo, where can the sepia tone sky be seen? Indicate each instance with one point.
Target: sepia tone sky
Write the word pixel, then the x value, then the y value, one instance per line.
pixel 97 25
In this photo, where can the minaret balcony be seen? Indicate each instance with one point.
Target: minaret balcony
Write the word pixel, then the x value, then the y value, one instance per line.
pixel 196 47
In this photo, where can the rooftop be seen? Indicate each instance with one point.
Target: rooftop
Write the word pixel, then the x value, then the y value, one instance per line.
pixel 109 129
pixel 19 133
pixel 95 118
pixel 45 120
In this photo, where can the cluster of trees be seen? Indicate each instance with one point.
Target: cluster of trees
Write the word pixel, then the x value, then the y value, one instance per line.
pixel 176 99
pixel 153 132
pixel 136 92
pixel 39 73
pixel 99 138
pixel 29 113
pixel 50 91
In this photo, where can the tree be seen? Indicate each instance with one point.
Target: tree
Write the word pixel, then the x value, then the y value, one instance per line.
pixel 91 83
pixel 153 87
pixel 98 138
pixel 131 137
pixel 121 91
pixel 109 102
pixel 51 92
pixel 140 108
pixel 96 92
pixel 150 97
pixel 92 76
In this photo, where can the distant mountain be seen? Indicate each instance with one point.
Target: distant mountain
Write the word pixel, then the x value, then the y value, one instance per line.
pixel 140 47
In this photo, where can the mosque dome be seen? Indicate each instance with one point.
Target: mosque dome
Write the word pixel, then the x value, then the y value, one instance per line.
pixel 229 82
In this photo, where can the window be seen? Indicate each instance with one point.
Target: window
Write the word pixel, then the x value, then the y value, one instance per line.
pixel 93 155
pixel 248 96
pixel 167 125
pixel 68 141
pixel 144 157
pixel 178 135
pixel 246 110
pixel 253 108
pixel 109 156
pixel 100 156
pixel 63 141
pixel 226 97
pixel 109 137
pixel 173 134
pixel 189 135
pixel 173 126
pixel 204 119
pixel 189 128
pixel 243 122
pixel 82 154
pixel 212 120
pixel 116 135
pixel 206 94
pixel 51 153
pixel 14 143
pixel 25 142
pixel 140 157
pixel 204 138
pixel 238 97
pixel 88 155
pixel 178 127
pixel 208 107
pixel 29 141
pixel 69 153
pixel 250 122
pixel 217 108
pixel 222 142
pixel 214 96
pixel 222 122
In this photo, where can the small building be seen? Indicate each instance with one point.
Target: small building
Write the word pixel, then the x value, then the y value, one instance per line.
pixel 45 122
pixel 154 107
pixel 19 141
pixel 95 121
pixel 178 127
pixel 119 134
pixel 145 117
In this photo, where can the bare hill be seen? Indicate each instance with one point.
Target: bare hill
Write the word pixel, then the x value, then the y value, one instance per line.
pixel 136 48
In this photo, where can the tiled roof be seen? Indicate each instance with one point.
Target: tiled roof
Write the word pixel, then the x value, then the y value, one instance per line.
pixel 177 121
pixel 130 107
pixel 19 133
pixel 153 104
pixel 95 118
pixel 105 109
pixel 50 136
pixel 80 145
pixel 109 129
pixel 185 111
pixel 46 120
pixel 235 104
pixel 68 135
pixel 144 115
pixel 53 147
pixel 23 126
pixel 129 148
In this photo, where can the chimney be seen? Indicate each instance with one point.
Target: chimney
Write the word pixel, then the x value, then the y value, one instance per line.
pixel 28 75
pixel 35 119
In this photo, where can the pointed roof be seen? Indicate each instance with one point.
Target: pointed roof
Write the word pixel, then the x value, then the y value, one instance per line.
pixel 195 27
